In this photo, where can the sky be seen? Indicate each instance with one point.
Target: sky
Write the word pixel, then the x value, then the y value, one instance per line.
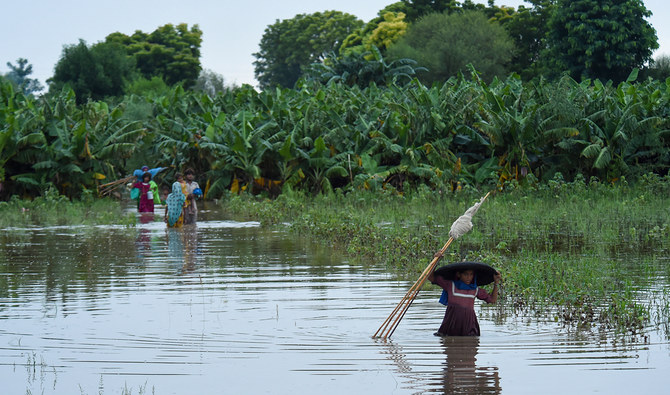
pixel 37 30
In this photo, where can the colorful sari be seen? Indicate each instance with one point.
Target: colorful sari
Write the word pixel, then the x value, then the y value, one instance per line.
pixel 175 206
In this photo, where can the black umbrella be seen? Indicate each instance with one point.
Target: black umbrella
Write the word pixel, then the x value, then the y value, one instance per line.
pixel 483 272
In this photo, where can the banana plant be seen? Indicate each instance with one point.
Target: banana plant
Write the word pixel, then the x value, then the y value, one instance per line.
pixel 240 144
pixel 518 127
pixel 322 166
pixel 616 134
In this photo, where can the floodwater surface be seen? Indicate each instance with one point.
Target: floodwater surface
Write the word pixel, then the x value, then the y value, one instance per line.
pixel 228 307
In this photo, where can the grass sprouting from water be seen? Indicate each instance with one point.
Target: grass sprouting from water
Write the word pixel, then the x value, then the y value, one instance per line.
pixel 54 209
pixel 588 250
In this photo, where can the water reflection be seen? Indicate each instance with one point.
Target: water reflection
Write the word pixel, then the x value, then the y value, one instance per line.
pixel 446 365
pixel 143 241
pixel 182 247
pixel 461 374
pixel 178 311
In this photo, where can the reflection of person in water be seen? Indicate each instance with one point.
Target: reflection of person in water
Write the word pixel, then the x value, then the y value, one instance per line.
pixel 190 249
pixel 182 248
pixel 461 374
pixel 143 241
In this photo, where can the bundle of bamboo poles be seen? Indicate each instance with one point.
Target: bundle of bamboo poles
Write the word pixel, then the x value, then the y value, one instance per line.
pixel 461 226
pixel 106 189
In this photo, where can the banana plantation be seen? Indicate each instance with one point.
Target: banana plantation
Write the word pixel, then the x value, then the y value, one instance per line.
pixel 318 137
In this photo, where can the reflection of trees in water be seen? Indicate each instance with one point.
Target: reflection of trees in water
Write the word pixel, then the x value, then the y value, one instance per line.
pixel 460 374
pixel 65 261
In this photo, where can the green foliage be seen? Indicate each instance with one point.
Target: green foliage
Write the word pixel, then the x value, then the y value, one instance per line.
pixel 388 31
pixel 553 263
pixel 528 28
pixel 380 33
pixel 659 68
pixel 391 138
pixel 602 40
pixel 19 75
pixel 154 87
pixel 93 73
pixel 56 209
pixel 290 45
pixel 362 69
pixel 59 144
pixel 169 52
pixel 445 44
pixel 417 9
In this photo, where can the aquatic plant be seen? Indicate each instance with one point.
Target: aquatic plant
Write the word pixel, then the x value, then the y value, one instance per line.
pixel 56 209
pixel 573 252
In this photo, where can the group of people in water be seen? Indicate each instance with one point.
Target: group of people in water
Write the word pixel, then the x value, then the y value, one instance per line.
pixel 180 204
pixel 459 291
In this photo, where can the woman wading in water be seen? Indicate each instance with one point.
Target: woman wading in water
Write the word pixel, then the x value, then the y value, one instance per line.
pixel 459 295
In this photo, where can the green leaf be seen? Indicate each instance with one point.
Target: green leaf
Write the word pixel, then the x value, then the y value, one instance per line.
pixel 209 132
pixel 633 75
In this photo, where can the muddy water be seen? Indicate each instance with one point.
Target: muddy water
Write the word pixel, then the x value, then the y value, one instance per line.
pixel 228 307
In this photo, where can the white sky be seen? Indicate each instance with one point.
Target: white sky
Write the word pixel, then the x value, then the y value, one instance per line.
pixel 38 29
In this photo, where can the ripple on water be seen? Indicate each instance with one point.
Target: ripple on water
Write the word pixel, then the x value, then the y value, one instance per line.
pixel 187 310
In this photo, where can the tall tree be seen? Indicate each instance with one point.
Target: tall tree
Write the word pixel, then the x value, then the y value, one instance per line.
pixel 445 44
pixel 602 40
pixel 19 75
pixel 290 45
pixel 393 26
pixel 528 28
pixel 93 73
pixel 170 52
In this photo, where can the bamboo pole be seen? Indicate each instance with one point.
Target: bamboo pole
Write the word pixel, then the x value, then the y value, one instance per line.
pixel 390 324
pixel 107 188
pixel 385 330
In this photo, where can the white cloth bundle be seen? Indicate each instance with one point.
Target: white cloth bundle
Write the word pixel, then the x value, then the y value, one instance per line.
pixel 464 223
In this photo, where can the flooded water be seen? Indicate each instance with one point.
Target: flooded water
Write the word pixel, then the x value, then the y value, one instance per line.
pixel 230 308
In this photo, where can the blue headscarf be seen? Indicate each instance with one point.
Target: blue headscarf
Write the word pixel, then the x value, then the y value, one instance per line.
pixel 460 285
pixel 175 203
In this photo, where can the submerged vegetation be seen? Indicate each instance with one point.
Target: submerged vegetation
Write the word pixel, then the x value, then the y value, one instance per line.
pixel 582 253
pixel 55 209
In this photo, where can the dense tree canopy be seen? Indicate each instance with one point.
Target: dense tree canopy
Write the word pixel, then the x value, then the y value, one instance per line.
pixel 362 69
pixel 381 32
pixel 290 45
pixel 93 73
pixel 445 44
pixel 170 52
pixel 600 39
pixel 528 29
pixel 416 9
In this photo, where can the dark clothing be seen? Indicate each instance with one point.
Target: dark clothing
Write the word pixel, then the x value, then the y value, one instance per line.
pixel 460 318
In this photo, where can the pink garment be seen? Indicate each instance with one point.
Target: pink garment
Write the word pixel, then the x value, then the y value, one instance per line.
pixel 146 205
